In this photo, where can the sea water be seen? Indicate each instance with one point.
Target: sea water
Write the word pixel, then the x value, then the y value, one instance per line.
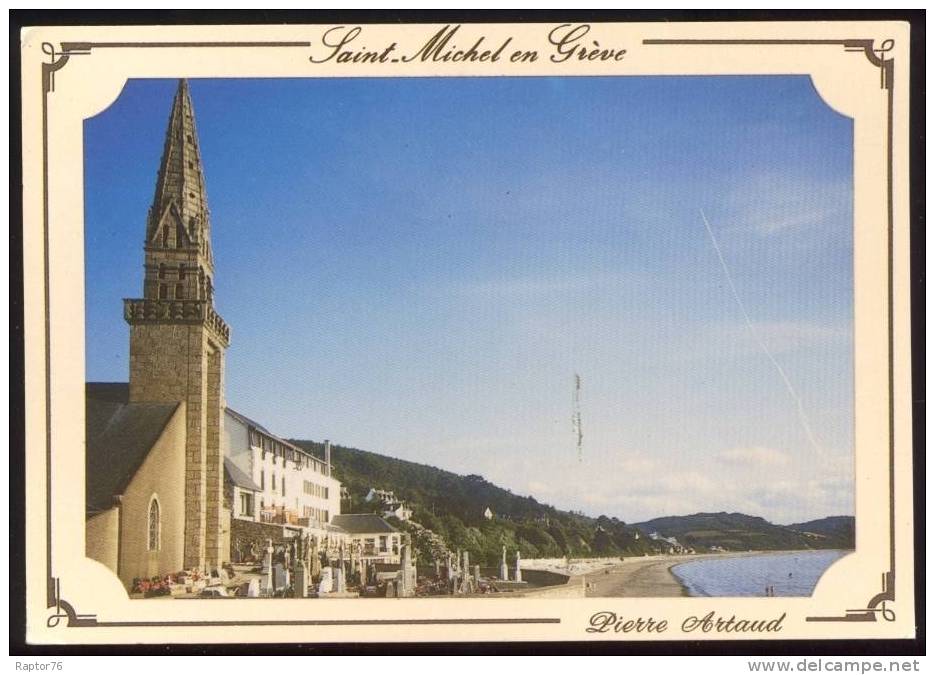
pixel 790 574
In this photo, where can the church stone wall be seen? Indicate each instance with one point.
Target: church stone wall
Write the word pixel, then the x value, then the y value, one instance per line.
pixel 164 361
pixel 162 474
pixel 101 536
pixel 215 551
pixel 177 339
pixel 180 362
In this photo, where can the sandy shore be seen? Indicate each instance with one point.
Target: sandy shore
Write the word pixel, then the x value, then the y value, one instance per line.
pixel 637 578
pixel 644 577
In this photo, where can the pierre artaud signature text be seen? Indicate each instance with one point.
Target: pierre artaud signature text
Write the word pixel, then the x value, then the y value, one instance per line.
pixel 566 43
pixel 611 622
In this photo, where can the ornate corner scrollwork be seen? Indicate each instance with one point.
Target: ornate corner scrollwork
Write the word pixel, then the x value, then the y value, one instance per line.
pixel 57 61
pixel 876 606
pixel 876 56
pixel 63 610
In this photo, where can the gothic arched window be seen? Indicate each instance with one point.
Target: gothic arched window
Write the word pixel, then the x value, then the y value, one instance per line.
pixel 179 291
pixel 154 525
pixel 162 271
pixel 181 272
pixel 162 291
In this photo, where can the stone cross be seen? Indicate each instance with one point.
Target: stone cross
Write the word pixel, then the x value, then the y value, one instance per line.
pixel 467 582
pixel 269 566
pixel 314 558
pixel 407 577
pixel 326 583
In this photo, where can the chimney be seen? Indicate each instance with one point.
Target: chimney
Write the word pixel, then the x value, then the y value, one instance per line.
pixel 328 457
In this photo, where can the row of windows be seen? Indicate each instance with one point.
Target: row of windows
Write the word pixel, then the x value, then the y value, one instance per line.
pixel 179 292
pixel 370 545
pixel 282 483
pixel 182 270
pixel 282 451
pixel 314 489
pixel 320 515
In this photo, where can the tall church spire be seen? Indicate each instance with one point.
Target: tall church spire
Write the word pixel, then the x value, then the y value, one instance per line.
pixel 180 196
pixel 179 260
pixel 177 339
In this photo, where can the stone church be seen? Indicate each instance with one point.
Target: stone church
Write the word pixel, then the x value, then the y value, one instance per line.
pixel 175 480
pixel 155 461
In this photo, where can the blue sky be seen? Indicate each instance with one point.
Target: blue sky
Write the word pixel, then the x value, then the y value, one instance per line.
pixel 419 267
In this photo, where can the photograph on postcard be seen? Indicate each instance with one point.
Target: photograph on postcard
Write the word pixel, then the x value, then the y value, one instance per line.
pixel 622 343
pixel 585 348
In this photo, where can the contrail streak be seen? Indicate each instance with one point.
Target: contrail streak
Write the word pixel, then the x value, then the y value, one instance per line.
pixel 803 419
pixel 576 415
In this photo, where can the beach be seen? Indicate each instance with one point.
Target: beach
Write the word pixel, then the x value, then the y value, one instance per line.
pixel 638 577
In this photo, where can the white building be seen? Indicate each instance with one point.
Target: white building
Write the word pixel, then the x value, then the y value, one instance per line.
pixel 290 486
pixel 380 496
pixel 397 510
pixel 378 541
pixel 674 545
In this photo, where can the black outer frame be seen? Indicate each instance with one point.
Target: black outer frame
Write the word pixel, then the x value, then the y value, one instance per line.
pixel 851 648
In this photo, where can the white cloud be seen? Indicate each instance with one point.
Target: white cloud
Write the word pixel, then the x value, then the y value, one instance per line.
pixel 636 485
pixel 755 480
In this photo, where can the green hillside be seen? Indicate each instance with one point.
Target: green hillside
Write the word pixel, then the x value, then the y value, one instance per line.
pixel 452 507
pixel 740 532
pixel 833 531
pixel 448 510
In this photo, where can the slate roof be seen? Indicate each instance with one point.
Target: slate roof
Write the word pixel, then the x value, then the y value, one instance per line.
pixel 362 523
pixel 233 474
pixel 119 435
pixel 246 421
pixel 251 423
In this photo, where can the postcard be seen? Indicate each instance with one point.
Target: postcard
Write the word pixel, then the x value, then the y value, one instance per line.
pixel 467 332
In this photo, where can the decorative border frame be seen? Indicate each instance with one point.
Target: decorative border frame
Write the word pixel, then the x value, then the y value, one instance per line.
pixel 58 59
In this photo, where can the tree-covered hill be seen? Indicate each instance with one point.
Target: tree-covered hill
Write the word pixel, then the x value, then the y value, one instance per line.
pixel 452 506
pixel 835 531
pixel 740 532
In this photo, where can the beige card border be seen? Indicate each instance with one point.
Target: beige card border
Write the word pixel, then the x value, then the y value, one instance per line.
pixel 876 609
